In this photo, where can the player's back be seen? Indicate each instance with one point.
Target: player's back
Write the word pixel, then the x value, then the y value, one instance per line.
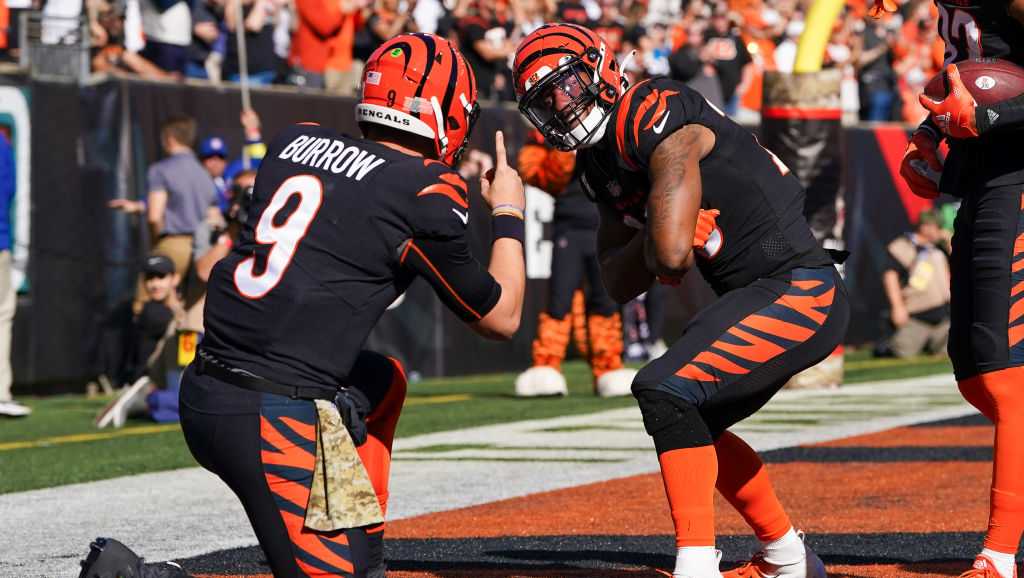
pixel 317 262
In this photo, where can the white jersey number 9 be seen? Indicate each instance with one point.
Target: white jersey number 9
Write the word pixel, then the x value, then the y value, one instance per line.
pixel 283 238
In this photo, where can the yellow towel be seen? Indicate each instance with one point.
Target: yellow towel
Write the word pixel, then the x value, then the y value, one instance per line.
pixel 342 495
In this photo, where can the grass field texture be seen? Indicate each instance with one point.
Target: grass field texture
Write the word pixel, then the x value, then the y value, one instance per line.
pixel 58 444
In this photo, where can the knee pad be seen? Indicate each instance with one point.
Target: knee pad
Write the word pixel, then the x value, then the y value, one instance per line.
pixel 672 422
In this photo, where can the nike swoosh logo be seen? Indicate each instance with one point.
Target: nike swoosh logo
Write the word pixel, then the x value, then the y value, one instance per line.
pixel 661 123
pixel 463 216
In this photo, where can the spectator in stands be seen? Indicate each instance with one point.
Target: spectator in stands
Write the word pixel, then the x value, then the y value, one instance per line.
pixel 486 40
pixel 917 285
pixel 729 56
pixel 324 42
pixel 876 76
pixel 150 329
pixel 254 147
pixel 611 26
pixel 655 48
pixel 693 64
pixel 181 194
pixel 209 40
pixel 108 51
pixel 8 294
pixel 258 20
pixel 388 19
pixel 167 25
pixel 213 153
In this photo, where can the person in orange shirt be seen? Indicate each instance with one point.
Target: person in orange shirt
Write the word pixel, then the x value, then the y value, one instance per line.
pixel 321 54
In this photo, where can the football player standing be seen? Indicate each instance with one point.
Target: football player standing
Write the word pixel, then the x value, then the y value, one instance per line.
pixel 338 229
pixel 680 185
pixel 986 169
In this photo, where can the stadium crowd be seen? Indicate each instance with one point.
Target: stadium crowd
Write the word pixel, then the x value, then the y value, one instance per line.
pixel 721 47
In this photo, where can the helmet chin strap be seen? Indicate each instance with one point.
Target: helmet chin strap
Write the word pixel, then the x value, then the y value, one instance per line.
pixel 439 117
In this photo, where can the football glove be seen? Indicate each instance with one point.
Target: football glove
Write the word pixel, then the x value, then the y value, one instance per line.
pixel 705 226
pixel 921 167
pixel 955 114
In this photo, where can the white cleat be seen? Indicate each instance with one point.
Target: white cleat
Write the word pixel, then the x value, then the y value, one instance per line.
pixel 615 383
pixel 14 409
pixel 130 400
pixel 810 567
pixel 541 380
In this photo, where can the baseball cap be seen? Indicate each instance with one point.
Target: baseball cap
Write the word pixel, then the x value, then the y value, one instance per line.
pixel 213 146
pixel 158 266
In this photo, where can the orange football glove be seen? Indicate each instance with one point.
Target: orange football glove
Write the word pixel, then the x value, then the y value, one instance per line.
pixel 705 226
pixel 883 6
pixel 921 167
pixel 954 115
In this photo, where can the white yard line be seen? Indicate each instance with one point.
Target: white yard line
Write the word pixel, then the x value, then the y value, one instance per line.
pixel 189 512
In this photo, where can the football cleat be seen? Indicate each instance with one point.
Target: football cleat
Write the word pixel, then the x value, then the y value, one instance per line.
pixel 615 383
pixel 983 567
pixel 541 380
pixel 810 567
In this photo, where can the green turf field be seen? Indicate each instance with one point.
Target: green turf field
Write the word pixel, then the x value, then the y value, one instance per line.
pixel 58 445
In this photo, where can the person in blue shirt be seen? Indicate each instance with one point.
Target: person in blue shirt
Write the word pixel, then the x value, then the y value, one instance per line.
pixel 8 297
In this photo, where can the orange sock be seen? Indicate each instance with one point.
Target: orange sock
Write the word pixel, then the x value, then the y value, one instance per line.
pixel 743 481
pixel 689 475
pixel 1006 514
pixel 380 426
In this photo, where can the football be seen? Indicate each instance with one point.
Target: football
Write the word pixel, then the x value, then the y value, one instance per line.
pixel 989 80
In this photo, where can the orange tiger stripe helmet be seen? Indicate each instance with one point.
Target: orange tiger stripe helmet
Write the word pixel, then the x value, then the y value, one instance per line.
pixel 421 84
pixel 567 81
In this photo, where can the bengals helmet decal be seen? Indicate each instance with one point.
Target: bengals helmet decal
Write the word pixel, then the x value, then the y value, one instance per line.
pixel 566 81
pixel 419 83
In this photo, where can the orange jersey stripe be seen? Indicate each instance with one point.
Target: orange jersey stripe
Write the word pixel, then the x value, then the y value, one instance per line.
pixel 445 190
pixel 806 284
pixel 805 304
pixel 293 459
pixel 309 541
pixel 691 371
pixel 306 430
pixel 273 437
pixel 1016 334
pixel 759 350
pixel 1016 310
pixel 620 122
pixel 720 363
pixel 294 492
pixel 640 112
pixel 444 281
pixel 1017 266
pixel 1018 245
pixel 662 103
pixel 779 328
pixel 1017 289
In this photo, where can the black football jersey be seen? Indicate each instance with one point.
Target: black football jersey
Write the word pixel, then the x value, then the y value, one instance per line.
pixel 761 230
pixel 322 254
pixel 979 29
